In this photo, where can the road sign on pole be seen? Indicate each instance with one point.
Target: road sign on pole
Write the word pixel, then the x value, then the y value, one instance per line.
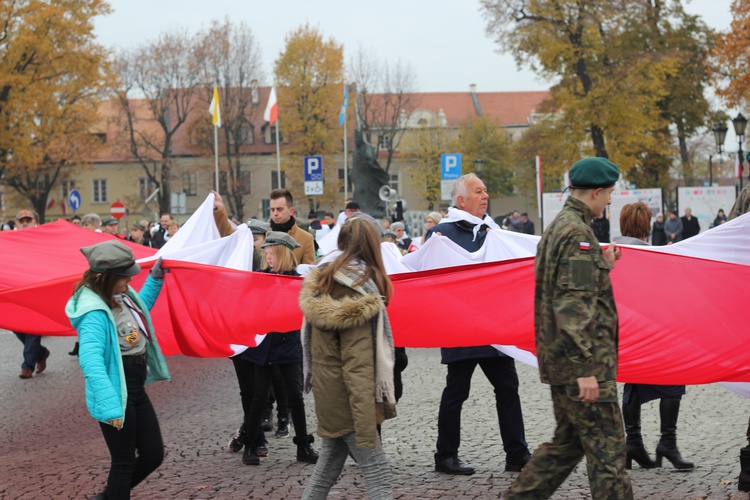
pixel 450 171
pixel 74 199
pixel 117 210
pixel 313 175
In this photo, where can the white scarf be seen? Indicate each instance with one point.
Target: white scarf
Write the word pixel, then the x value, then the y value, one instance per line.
pixel 455 215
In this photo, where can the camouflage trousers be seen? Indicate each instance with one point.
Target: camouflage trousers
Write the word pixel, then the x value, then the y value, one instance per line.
pixel 593 430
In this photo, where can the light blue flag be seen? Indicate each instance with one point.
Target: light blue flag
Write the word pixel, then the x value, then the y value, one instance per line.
pixel 342 115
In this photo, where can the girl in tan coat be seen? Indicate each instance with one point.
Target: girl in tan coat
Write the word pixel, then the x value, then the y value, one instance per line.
pixel 348 357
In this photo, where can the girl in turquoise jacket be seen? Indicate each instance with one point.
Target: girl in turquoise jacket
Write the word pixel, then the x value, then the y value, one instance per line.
pixel 119 354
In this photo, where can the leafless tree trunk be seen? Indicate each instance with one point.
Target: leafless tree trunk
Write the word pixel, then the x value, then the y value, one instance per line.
pixel 386 93
pixel 229 56
pixel 158 84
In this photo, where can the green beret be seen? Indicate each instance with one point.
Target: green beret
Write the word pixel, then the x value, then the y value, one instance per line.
pixel 595 172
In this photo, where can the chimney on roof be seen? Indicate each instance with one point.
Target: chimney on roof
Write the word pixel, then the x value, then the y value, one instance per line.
pixel 475 99
pixel 254 99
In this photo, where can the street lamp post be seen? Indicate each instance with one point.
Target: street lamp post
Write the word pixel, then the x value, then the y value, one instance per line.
pixel 478 167
pixel 740 122
pixel 720 133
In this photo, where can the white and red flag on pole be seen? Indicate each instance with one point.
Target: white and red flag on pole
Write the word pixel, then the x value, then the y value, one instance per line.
pixel 272 108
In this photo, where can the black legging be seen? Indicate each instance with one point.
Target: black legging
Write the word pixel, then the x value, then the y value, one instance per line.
pixel 139 433
pixel 293 380
pixel 245 371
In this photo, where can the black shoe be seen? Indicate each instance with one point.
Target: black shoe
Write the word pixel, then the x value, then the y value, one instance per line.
pixel 262 448
pixel 283 430
pixel 454 466
pixel 305 453
pixel 518 464
pixel 250 455
pixel 74 352
pixel 101 496
pixel 235 442
pixel 267 424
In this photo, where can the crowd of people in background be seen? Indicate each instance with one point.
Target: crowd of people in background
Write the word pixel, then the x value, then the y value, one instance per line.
pixel 345 350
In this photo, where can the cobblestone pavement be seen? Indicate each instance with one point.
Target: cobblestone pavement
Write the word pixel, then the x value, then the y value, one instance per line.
pixel 51 448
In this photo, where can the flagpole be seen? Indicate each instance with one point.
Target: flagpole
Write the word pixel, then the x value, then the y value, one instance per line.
pixel 278 156
pixel 216 156
pixel 346 164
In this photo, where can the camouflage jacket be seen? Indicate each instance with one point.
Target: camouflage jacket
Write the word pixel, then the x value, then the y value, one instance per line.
pixel 575 316
pixel 742 205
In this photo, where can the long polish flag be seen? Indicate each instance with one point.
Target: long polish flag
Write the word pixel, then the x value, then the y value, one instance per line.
pixel 486 297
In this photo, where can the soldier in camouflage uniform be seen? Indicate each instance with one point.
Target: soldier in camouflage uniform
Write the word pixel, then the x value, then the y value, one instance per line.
pixel 742 205
pixel 576 340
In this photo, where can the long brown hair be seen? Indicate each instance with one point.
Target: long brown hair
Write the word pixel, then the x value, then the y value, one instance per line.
pixel 635 220
pixel 103 284
pixel 359 241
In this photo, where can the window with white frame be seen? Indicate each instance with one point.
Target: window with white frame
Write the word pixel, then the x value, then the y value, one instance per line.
pixel 393 183
pixel 190 183
pixel 99 191
pixel 145 187
pixel 67 187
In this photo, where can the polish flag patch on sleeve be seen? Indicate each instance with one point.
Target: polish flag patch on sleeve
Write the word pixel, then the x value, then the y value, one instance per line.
pixel 585 245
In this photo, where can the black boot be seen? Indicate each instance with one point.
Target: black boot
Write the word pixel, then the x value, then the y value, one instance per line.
pixel 744 483
pixel 267 424
pixel 631 414
pixel 305 453
pixel 74 352
pixel 283 429
pixel 669 410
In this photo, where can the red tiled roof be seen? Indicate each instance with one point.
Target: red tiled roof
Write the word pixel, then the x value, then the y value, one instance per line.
pixel 506 108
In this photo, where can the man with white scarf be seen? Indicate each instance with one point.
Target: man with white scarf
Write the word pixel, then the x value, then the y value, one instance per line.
pixel 467 224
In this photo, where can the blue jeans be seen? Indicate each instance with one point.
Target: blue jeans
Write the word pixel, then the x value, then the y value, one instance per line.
pixel 333 453
pixel 32 349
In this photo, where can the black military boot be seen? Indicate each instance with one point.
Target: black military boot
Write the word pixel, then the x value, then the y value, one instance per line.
pixel 631 414
pixel 669 410
pixel 744 483
pixel 305 453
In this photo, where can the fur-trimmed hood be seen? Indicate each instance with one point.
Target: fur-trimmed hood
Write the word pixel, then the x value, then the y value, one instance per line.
pixel 327 313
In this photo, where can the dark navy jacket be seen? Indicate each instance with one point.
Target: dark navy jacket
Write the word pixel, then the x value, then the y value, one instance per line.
pixel 277 348
pixel 462 233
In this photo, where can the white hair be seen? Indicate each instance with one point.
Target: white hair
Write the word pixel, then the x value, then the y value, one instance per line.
pixel 459 188
pixel 92 219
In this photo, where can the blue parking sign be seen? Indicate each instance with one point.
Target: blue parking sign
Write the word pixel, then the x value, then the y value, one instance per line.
pixel 313 168
pixel 450 166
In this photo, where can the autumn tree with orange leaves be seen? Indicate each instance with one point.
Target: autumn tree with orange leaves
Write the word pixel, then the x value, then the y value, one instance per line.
pixel 52 76
pixel 310 77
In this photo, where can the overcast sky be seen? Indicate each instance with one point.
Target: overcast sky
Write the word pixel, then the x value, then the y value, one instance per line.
pixel 443 40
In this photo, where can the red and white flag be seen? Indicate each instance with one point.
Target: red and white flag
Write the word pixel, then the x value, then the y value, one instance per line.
pixel 738 167
pixel 272 108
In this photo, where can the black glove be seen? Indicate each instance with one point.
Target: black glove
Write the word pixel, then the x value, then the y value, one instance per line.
pixel 157 272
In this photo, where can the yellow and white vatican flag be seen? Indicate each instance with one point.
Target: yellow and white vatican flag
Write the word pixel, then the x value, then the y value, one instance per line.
pixel 214 108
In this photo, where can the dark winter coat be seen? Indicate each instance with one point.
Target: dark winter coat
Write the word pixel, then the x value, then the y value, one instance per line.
pixel 462 233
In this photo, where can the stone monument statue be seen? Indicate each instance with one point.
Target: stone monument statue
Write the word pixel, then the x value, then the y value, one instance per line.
pixel 367 175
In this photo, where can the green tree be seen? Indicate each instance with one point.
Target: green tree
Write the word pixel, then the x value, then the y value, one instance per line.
pixel 51 78
pixel 485 139
pixel 426 145
pixel 310 76
pixel 608 83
